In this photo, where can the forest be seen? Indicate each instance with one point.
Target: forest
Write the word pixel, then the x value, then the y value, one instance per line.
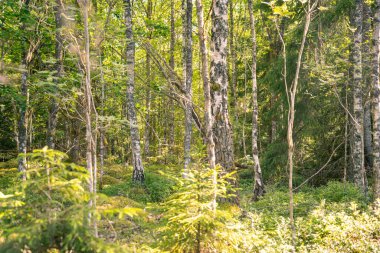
pixel 192 126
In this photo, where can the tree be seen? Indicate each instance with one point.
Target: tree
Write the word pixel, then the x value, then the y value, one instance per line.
pixel 258 189
pixel 187 73
pixel 138 169
pixel 209 120
pixel 224 152
pixel 376 98
pixel 358 111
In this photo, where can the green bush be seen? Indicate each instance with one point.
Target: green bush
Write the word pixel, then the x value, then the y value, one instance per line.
pixel 155 188
pixel 339 192
pixel 50 210
pixel 8 177
pixel 192 220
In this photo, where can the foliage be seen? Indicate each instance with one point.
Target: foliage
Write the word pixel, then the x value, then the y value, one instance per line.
pixel 50 210
pixel 342 230
pixel 156 188
pixel 191 222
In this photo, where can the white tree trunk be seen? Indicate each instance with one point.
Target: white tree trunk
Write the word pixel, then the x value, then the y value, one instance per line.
pixel 187 73
pixel 258 189
pixel 224 151
pixel 138 169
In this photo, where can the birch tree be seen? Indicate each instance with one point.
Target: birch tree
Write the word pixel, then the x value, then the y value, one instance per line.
pixel 224 152
pixel 258 189
pixel 358 110
pixel 187 73
pixel 138 169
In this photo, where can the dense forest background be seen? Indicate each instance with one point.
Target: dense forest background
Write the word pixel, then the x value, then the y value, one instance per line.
pixel 189 126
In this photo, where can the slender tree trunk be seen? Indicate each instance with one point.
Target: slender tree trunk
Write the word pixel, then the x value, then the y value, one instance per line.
pixel 53 110
pixel 138 169
pixel 188 73
pixel 88 97
pixel 172 66
pixel 209 120
pixel 258 189
pixel 358 131
pixel 366 55
pixel 22 122
pixel 148 92
pixel 224 151
pixel 102 148
pixel 233 57
pixel 292 92
pixel 273 129
pixel 376 98
pixel 245 109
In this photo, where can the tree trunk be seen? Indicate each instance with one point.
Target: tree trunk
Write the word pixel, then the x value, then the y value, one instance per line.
pixel 233 58
pixel 358 132
pixel 291 93
pixel 366 55
pixel 22 122
pixel 209 120
pixel 53 110
pixel 187 73
pixel 258 189
pixel 148 91
pixel 376 99
pixel 172 65
pixel 219 84
pixel 138 169
pixel 88 98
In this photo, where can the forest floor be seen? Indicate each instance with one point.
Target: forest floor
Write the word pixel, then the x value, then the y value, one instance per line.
pixel 118 191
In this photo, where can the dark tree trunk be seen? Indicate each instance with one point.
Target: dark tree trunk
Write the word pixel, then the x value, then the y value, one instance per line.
pixel 376 98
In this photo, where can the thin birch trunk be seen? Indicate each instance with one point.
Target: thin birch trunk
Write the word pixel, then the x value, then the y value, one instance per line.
pixel 138 169
pixel 188 73
pixel 233 58
pixel 358 131
pixel 172 66
pixel 22 122
pixel 258 189
pixel 209 120
pixel 148 91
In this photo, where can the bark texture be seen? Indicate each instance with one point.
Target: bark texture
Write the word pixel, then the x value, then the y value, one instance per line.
pixel 366 55
pixel 359 174
pixel 209 120
pixel 187 73
pixel 376 98
pixel 88 99
pixel 138 169
pixel 258 189
pixel 219 84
